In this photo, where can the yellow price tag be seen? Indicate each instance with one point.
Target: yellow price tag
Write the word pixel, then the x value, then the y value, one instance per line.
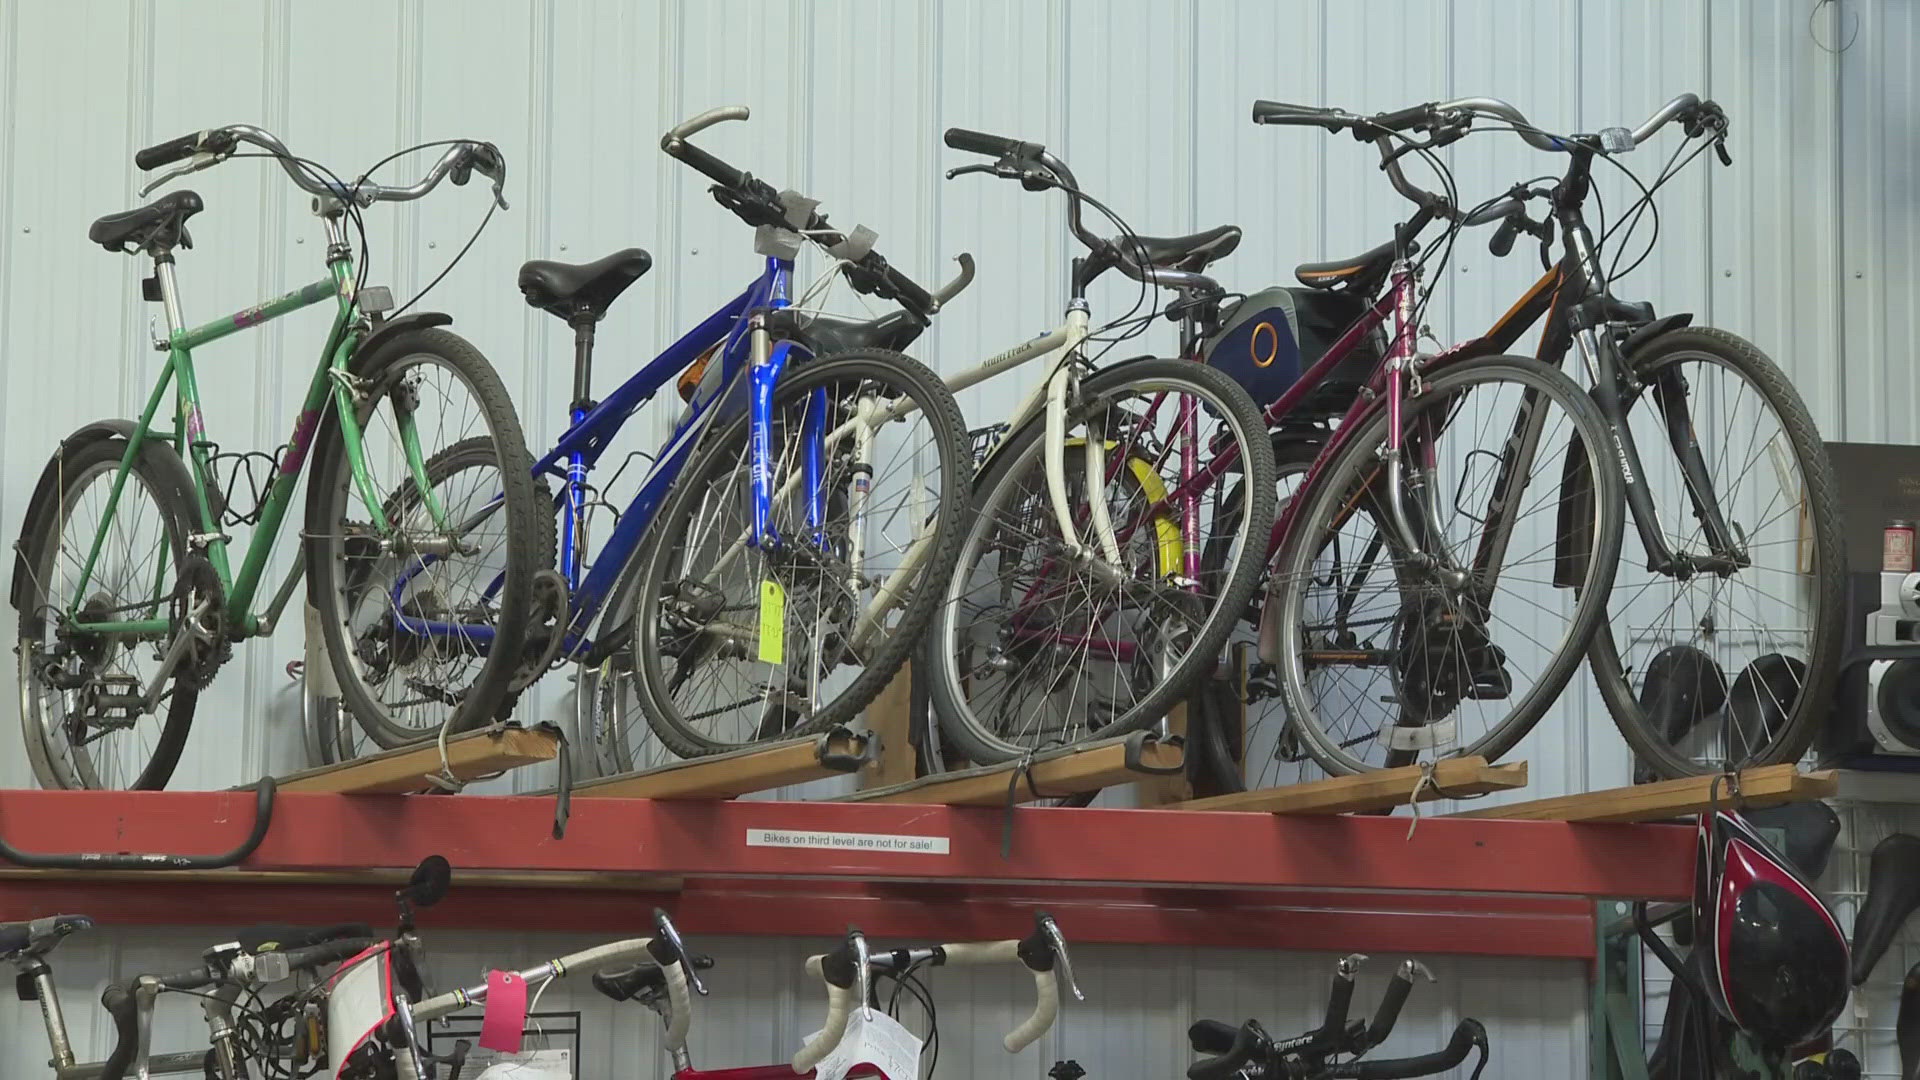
pixel 773 622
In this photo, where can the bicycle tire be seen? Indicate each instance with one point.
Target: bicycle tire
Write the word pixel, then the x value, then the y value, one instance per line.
pixel 642 585
pixel 1008 469
pixel 160 475
pixel 1335 493
pixel 1822 515
pixel 335 573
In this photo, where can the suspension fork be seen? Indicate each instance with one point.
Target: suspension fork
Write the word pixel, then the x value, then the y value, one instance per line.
pixel 1399 358
pixel 767 361
pixel 1603 362
pixel 1671 394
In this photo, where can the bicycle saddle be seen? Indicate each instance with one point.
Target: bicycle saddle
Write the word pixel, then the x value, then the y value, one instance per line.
pixel 630 983
pixel 159 224
pixel 1809 830
pixel 1893 891
pixel 1763 695
pixel 1184 252
pixel 825 334
pixel 38 937
pixel 575 290
pixel 1359 274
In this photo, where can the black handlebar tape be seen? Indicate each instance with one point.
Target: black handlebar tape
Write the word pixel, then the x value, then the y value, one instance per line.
pixel 1388 1013
pixel 1211 1036
pixel 979 142
pixel 1218 1068
pixel 1338 1002
pixel 262 818
pixel 318 956
pixel 119 1001
pixel 1401 119
pixel 1279 112
pixel 1465 1037
pixel 718 171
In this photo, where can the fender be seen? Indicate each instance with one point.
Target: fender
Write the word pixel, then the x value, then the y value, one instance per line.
pixel 391 328
pixel 158 455
pixel 1644 335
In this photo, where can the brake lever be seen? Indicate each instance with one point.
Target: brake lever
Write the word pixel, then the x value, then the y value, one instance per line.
pixel 965 169
pixel 193 165
pixel 663 927
pixel 1060 959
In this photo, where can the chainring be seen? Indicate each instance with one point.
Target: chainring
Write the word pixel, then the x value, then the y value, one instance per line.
pixel 198 597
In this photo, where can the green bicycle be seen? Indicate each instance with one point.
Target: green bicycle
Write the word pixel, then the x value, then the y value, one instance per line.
pixel 419 593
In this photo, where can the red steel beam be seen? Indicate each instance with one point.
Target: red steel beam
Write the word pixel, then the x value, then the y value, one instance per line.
pixel 708 839
pixel 891 913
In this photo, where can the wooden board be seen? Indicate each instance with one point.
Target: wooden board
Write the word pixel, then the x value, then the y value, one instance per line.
pixel 1770 785
pixel 1168 788
pixel 725 776
pixel 890 727
pixel 1068 771
pixel 469 756
pixel 1379 790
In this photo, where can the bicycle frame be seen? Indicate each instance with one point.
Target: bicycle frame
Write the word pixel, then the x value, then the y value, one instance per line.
pixel 217 1007
pixel 329 388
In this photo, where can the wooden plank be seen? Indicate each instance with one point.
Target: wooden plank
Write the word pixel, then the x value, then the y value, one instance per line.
pixel 1770 785
pixel 1168 788
pixel 1070 771
pixel 1379 790
pixel 726 776
pixel 404 771
pixel 890 727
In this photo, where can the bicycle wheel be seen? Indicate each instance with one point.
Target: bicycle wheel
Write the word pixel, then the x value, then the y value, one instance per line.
pixel 1730 667
pixel 82 729
pixel 717 664
pixel 425 619
pixel 1388 655
pixel 1033 648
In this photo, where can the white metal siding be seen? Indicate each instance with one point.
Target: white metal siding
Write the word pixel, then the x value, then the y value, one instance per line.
pixel 1805 246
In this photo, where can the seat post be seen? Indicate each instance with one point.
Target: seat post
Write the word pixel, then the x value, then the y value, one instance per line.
pixel 583 323
pixel 169 290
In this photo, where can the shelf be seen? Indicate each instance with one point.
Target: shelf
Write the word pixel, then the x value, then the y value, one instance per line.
pixel 468 756
pixel 1769 785
pixel 1190 877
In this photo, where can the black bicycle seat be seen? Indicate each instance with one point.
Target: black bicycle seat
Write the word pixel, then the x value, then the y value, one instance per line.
pixel 1359 274
pixel 38 936
pixel 629 983
pixel 1906 1025
pixel 574 290
pixel 1893 891
pixel 160 224
pixel 1184 252
pixel 1809 830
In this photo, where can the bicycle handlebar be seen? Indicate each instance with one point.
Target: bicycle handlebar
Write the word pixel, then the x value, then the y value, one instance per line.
pixel 132 1017
pixel 1040 953
pixel 680 1011
pixel 208 148
pixel 1469 1035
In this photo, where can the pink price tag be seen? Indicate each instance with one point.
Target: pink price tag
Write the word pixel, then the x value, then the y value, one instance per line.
pixel 506 1017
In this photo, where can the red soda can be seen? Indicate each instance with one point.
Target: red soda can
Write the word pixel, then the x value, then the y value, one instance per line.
pixel 1896 548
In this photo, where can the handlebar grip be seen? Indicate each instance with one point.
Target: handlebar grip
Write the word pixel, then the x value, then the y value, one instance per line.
pixel 1467 1036
pixel 1388 1013
pixel 1339 1000
pixel 1501 245
pixel 1225 1065
pixel 959 283
pixel 982 952
pixel 1280 112
pixel 1401 119
pixel 172 150
pixel 679 1007
pixel 979 142
pixel 332 952
pixel 688 128
pixel 1211 1036
pixel 839 1006
pixel 1046 1008
pixel 117 999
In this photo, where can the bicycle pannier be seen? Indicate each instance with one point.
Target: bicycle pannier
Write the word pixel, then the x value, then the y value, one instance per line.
pixel 1268 339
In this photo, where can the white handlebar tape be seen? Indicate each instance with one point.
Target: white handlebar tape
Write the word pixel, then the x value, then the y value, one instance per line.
pixel 839 1006
pixel 1045 1009
pixel 679 1005
pixel 983 952
pixel 587 961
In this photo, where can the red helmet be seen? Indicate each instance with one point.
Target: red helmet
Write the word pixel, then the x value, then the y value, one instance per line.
pixel 1769 954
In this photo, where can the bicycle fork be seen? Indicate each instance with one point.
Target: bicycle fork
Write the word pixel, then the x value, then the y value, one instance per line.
pixel 1399 359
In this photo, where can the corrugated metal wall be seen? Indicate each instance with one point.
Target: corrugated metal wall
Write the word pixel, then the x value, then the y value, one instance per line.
pixel 1805 245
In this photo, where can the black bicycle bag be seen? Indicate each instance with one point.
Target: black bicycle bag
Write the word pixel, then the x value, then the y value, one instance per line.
pixel 1267 340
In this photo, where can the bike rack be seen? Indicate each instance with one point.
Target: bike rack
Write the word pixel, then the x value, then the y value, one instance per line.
pixel 1383 790
pixel 1072 770
pixel 262 818
pixel 1768 785
pixel 740 772
pixel 421 768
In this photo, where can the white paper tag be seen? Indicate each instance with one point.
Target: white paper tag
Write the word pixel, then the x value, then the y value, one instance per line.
pixel 358 1001
pixel 876 1039
pixel 848 841
pixel 525 1065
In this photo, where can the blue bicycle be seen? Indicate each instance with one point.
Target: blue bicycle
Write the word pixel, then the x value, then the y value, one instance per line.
pixel 770 575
